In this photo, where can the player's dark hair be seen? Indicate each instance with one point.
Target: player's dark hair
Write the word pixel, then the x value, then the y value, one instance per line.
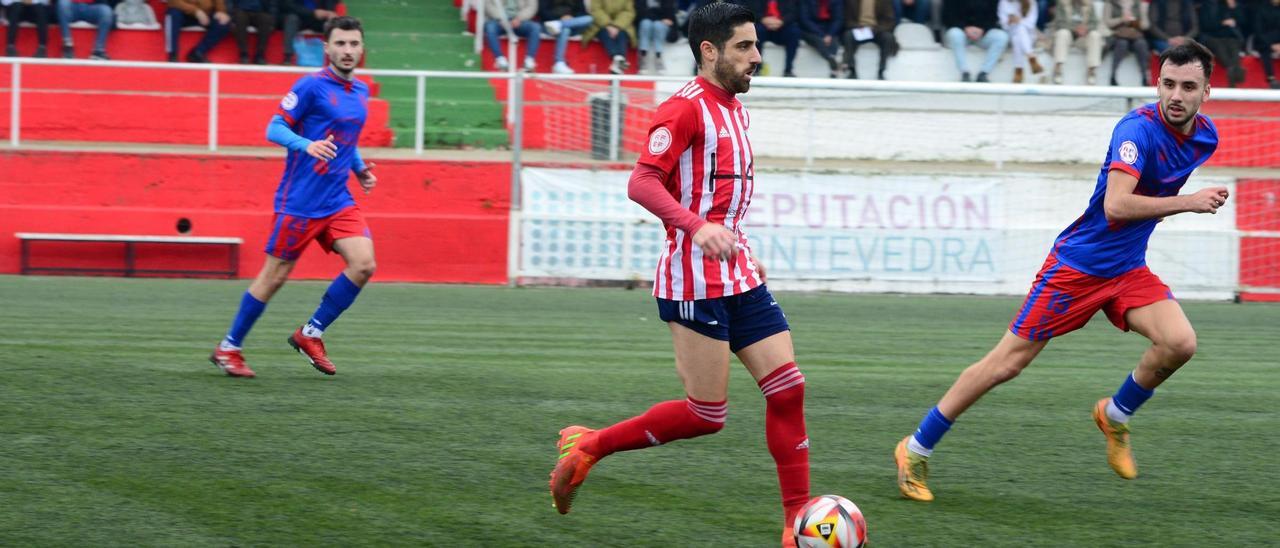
pixel 344 23
pixel 714 23
pixel 1189 52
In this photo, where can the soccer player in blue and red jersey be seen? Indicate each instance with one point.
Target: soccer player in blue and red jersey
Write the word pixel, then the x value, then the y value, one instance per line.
pixel 697 175
pixel 1099 263
pixel 319 121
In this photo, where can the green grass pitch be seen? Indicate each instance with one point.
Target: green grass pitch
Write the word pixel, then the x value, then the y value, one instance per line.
pixel 439 428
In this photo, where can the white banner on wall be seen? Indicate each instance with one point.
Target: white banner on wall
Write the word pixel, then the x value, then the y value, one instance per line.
pixel 913 233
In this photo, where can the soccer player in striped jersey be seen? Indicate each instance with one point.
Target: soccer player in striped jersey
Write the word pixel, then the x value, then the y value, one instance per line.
pixel 1099 263
pixel 697 176
pixel 319 121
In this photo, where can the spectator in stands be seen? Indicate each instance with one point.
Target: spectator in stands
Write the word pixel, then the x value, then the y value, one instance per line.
pixel 17 11
pixel 1173 22
pixel 821 23
pixel 656 19
pixel 210 14
pixel 1249 11
pixel 1127 19
pixel 300 15
pixel 974 22
pixel 97 12
pixel 1018 18
pixel 777 21
pixel 512 16
pixel 1266 38
pixel 562 19
pixel 869 21
pixel 613 23
pixel 1220 32
pixel 135 14
pixel 1076 24
pixel 261 15
pixel 915 10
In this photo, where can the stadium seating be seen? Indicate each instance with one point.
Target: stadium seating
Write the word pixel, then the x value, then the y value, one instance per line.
pixel 175 101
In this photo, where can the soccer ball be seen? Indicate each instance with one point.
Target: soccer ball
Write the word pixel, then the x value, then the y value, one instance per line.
pixel 830 521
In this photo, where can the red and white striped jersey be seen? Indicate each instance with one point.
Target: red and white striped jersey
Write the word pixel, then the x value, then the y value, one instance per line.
pixel 699 139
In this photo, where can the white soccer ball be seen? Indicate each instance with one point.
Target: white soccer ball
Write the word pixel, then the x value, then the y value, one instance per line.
pixel 830 521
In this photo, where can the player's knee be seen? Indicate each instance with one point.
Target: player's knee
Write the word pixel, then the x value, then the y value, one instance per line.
pixel 1003 371
pixel 1181 348
pixel 364 269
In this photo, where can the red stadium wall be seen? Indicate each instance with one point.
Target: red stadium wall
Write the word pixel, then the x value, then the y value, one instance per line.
pixel 1258 216
pixel 431 221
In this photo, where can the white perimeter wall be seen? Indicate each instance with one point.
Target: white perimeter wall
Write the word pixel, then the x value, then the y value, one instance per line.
pixel 913 233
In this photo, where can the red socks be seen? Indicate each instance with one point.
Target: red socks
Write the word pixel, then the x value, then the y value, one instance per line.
pixel 674 420
pixel 663 423
pixel 783 392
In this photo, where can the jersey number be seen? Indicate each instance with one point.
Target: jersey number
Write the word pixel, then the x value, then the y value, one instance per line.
pixel 1058 303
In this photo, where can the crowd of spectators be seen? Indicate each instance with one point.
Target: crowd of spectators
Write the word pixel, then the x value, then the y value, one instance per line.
pixel 216 18
pixel 835 29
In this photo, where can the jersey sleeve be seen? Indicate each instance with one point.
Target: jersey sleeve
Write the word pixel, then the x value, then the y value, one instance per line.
pixel 294 105
pixel 1130 147
pixel 674 126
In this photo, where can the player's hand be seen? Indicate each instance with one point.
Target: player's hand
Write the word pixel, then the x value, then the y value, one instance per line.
pixel 973 33
pixel 323 150
pixel 759 269
pixel 202 17
pixel 1014 19
pixel 222 18
pixel 716 241
pixel 1207 200
pixel 367 179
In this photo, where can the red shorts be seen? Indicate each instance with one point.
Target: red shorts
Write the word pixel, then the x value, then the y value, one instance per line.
pixel 290 235
pixel 1063 299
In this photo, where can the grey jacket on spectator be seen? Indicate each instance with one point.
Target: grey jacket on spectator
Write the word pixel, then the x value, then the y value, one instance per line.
pixel 1114 18
pixel 497 9
pixel 1069 14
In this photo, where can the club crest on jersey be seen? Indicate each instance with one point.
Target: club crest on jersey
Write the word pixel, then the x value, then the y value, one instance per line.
pixel 659 141
pixel 289 101
pixel 1128 152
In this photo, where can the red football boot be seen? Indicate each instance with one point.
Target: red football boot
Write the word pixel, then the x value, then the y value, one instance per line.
pixel 312 348
pixel 231 362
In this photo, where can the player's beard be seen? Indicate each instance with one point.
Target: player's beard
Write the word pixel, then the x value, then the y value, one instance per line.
pixel 734 81
pixel 1186 113
pixel 339 67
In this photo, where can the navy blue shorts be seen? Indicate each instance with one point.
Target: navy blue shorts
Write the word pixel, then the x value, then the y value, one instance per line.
pixel 742 319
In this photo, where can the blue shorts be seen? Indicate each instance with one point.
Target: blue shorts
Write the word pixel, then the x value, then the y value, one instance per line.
pixel 742 319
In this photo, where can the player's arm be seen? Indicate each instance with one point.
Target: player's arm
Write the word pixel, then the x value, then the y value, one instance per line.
pixel 672 131
pixel 279 132
pixel 1121 204
pixel 363 171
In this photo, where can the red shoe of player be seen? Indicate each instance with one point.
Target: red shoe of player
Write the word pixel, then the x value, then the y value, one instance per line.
pixel 312 348
pixel 231 362
pixel 572 467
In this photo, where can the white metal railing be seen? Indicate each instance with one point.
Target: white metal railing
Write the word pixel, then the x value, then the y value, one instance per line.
pixel 516 76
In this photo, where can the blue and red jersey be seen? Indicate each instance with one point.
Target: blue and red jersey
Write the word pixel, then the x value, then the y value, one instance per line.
pixel 1144 145
pixel 319 105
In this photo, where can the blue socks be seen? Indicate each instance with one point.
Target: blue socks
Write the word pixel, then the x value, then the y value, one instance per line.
pixel 931 430
pixel 341 293
pixel 250 309
pixel 1131 396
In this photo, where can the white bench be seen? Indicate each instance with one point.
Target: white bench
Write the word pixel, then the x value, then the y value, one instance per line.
pixel 130 242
